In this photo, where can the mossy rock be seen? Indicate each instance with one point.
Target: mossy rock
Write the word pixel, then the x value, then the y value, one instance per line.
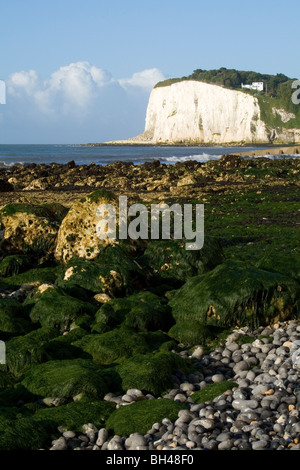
pixel 212 391
pixel 14 264
pixel 144 311
pixel 52 307
pixel 66 379
pixel 23 434
pixel 113 272
pixel 13 319
pixel 119 344
pixel 277 262
pixel 190 332
pixel 41 275
pixel 55 212
pixel 61 347
pixel 140 416
pixel 151 373
pixel 27 350
pixel 75 414
pixel 234 294
pixel 171 262
pixel 11 396
pixel 5 380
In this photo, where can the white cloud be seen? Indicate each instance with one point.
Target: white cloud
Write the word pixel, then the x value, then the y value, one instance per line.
pixel 75 87
pixel 71 87
pixel 23 82
pixel 77 102
pixel 145 79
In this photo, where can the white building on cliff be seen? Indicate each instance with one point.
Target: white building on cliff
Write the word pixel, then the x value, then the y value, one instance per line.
pixel 259 86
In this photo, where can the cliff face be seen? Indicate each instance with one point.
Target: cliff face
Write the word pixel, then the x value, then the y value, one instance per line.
pixel 192 111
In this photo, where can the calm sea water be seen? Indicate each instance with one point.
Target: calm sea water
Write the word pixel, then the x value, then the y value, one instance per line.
pixel 103 155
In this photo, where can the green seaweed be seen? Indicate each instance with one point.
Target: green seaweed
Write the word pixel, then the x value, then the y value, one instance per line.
pixel 12 265
pixel 233 294
pixel 74 415
pixel 55 308
pixel 66 379
pixel 151 373
pixel 140 416
pixel 119 344
pixel 24 351
pixel 212 391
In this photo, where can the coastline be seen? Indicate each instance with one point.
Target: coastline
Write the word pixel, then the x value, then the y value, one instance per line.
pixel 75 328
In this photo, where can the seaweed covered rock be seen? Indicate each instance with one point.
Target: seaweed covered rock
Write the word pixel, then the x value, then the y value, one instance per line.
pixel 212 391
pixel 67 379
pixel 278 262
pixel 144 311
pixel 119 344
pixel 232 294
pixel 78 231
pixel 5 380
pixel 14 264
pixel 140 416
pixel 171 262
pixel 151 373
pixel 27 350
pixel 22 434
pixel 74 415
pixel 113 272
pixel 51 306
pixel 30 229
pixel 32 277
pixel 61 346
pixel 13 320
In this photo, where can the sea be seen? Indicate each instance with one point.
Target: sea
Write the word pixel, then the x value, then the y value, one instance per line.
pixel 105 154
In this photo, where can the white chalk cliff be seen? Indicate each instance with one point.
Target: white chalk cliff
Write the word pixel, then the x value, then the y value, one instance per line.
pixel 196 112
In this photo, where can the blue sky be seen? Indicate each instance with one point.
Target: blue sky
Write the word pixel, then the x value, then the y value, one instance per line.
pixel 81 71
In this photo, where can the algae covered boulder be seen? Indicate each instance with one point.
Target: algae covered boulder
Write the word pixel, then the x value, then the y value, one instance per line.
pixel 232 294
pixel 24 351
pixel 31 277
pixel 78 235
pixel 14 264
pixel 5 380
pixel 151 373
pixel 61 346
pixel 144 311
pixel 30 228
pixel 140 416
pixel 67 379
pixel 13 320
pixel 113 272
pixel 119 344
pixel 23 434
pixel 171 262
pixel 51 306
pixel 74 415
pixel 279 262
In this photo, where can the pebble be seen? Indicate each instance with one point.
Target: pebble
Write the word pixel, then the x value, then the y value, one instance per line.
pixel 262 412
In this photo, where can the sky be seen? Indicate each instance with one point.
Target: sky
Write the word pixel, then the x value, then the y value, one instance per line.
pixel 80 71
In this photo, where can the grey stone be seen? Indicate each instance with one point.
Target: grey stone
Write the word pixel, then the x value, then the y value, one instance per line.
pixel 59 444
pixel 259 445
pixel 244 405
pixel 136 442
pixel 102 437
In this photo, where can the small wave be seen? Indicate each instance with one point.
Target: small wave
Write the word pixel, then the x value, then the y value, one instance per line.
pixel 204 157
pixel 8 165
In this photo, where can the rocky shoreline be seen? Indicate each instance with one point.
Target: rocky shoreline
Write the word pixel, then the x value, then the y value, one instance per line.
pixel 143 345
